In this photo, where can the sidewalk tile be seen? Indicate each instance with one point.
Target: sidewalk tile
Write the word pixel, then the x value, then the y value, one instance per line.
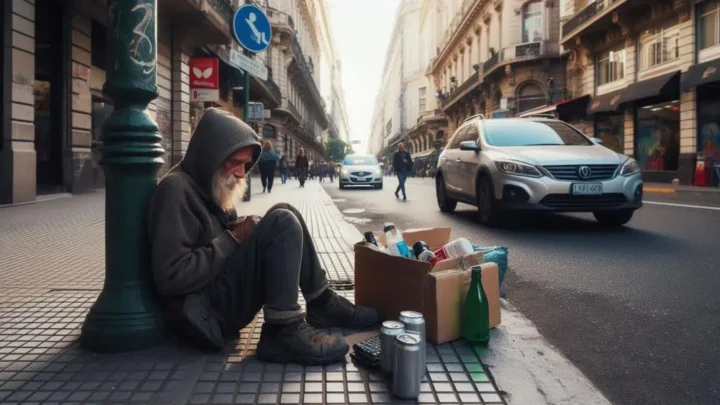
pixel 52 269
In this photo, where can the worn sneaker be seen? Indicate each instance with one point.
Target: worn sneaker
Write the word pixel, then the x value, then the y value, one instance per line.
pixel 300 343
pixel 339 312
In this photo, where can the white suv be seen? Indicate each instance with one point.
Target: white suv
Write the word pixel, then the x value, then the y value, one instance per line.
pixel 535 164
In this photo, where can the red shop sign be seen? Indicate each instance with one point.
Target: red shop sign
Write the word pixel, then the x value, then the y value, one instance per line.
pixel 204 73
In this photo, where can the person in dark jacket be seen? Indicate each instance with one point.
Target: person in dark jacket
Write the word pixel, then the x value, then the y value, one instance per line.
pixel 402 163
pixel 214 270
pixel 283 169
pixel 302 165
pixel 268 162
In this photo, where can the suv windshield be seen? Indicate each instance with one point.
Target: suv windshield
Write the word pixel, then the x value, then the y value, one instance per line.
pixel 531 133
pixel 360 161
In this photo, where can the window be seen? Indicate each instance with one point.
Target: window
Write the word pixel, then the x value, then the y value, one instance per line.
pixel 388 127
pixel 516 132
pixel 422 102
pixel 611 66
pixel 268 132
pixel 457 138
pixel 533 22
pixel 657 136
pixel 659 45
pixel 472 134
pixel 709 24
pixel 530 96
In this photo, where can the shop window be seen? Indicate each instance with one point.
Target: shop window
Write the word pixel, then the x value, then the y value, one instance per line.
pixel 708 15
pixel 533 22
pixel 611 66
pixel 657 136
pixel 708 105
pixel 611 129
pixel 660 45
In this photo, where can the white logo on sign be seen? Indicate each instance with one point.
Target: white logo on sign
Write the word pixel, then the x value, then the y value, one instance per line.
pixel 259 37
pixel 202 74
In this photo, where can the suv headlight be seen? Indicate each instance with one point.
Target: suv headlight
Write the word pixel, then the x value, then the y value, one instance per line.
pixel 517 168
pixel 630 166
pixel 344 171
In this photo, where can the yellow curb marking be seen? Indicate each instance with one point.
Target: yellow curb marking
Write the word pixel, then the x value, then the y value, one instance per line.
pixel 658 190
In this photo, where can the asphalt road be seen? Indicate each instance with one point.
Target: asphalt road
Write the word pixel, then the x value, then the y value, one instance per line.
pixel 637 309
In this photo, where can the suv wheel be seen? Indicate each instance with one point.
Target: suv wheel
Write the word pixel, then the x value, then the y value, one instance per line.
pixel 445 203
pixel 613 218
pixel 486 202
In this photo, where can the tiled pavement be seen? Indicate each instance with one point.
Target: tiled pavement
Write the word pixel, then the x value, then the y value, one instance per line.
pixel 51 270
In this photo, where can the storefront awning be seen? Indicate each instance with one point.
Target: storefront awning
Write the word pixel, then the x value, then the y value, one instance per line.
pixel 555 107
pixel 607 102
pixel 423 154
pixel 667 84
pixel 701 73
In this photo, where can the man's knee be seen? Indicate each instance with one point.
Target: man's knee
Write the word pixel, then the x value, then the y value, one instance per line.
pixel 281 216
pixel 282 206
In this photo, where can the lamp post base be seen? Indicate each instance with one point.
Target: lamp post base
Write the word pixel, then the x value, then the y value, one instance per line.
pixel 108 328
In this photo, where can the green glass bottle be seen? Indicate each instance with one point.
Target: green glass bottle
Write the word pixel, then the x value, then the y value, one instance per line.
pixel 476 325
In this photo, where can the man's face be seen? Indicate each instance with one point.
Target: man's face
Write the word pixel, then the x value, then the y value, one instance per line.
pixel 401 147
pixel 229 182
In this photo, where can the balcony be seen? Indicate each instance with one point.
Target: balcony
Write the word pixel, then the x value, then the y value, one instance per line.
pixel 519 53
pixel 457 94
pixel 464 17
pixel 280 22
pixel 309 81
pixel 334 133
pixel 596 17
pixel 201 21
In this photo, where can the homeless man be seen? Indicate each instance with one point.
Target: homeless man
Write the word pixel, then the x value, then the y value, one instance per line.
pixel 215 271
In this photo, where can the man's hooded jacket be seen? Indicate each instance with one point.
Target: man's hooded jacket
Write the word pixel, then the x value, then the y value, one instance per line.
pixel 189 233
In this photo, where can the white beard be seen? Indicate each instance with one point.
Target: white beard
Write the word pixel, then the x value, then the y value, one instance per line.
pixel 227 190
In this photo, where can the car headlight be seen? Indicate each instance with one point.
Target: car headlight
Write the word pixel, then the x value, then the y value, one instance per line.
pixel 378 171
pixel 630 166
pixel 343 171
pixel 520 169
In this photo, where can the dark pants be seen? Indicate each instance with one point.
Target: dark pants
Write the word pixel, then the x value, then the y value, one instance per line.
pixel 267 174
pixel 283 175
pixel 266 271
pixel 401 180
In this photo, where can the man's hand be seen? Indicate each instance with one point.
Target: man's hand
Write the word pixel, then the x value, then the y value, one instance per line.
pixel 244 227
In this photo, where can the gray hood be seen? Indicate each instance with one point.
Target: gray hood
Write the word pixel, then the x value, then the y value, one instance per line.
pixel 218 135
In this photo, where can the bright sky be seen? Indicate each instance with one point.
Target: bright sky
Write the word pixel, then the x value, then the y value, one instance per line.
pixel 362 30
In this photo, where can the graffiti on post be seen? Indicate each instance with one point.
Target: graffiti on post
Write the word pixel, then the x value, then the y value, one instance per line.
pixel 146 58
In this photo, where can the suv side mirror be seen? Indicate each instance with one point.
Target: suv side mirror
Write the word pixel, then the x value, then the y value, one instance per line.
pixel 469 145
pixel 597 141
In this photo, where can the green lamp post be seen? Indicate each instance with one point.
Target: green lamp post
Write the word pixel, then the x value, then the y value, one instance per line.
pixel 126 315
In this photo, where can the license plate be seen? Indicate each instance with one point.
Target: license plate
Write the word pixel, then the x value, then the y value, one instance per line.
pixel 586 189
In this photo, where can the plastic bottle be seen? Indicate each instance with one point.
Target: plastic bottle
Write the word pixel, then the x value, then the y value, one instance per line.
pixel 476 324
pixel 457 248
pixel 396 245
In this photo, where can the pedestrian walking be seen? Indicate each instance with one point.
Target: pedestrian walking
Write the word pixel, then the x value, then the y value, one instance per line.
pixel 331 171
pixel 283 169
pixel 302 166
pixel 268 163
pixel 402 163
pixel 322 168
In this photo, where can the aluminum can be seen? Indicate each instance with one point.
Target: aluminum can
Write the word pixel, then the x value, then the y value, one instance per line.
pixel 388 332
pixel 406 363
pixel 415 322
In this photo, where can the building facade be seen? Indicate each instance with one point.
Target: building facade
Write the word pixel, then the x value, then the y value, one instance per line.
pixel 53 107
pixel 498 58
pixel 650 71
pixel 397 105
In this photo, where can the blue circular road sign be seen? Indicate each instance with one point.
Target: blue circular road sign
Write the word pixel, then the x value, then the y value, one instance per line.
pixel 251 28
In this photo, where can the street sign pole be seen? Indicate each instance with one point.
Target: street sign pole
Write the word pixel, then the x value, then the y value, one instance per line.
pixel 246 95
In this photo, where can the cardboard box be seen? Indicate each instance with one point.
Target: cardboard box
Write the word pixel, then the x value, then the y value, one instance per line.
pixel 392 284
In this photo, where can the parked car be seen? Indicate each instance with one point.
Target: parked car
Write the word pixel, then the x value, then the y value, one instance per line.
pixel 361 170
pixel 535 164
